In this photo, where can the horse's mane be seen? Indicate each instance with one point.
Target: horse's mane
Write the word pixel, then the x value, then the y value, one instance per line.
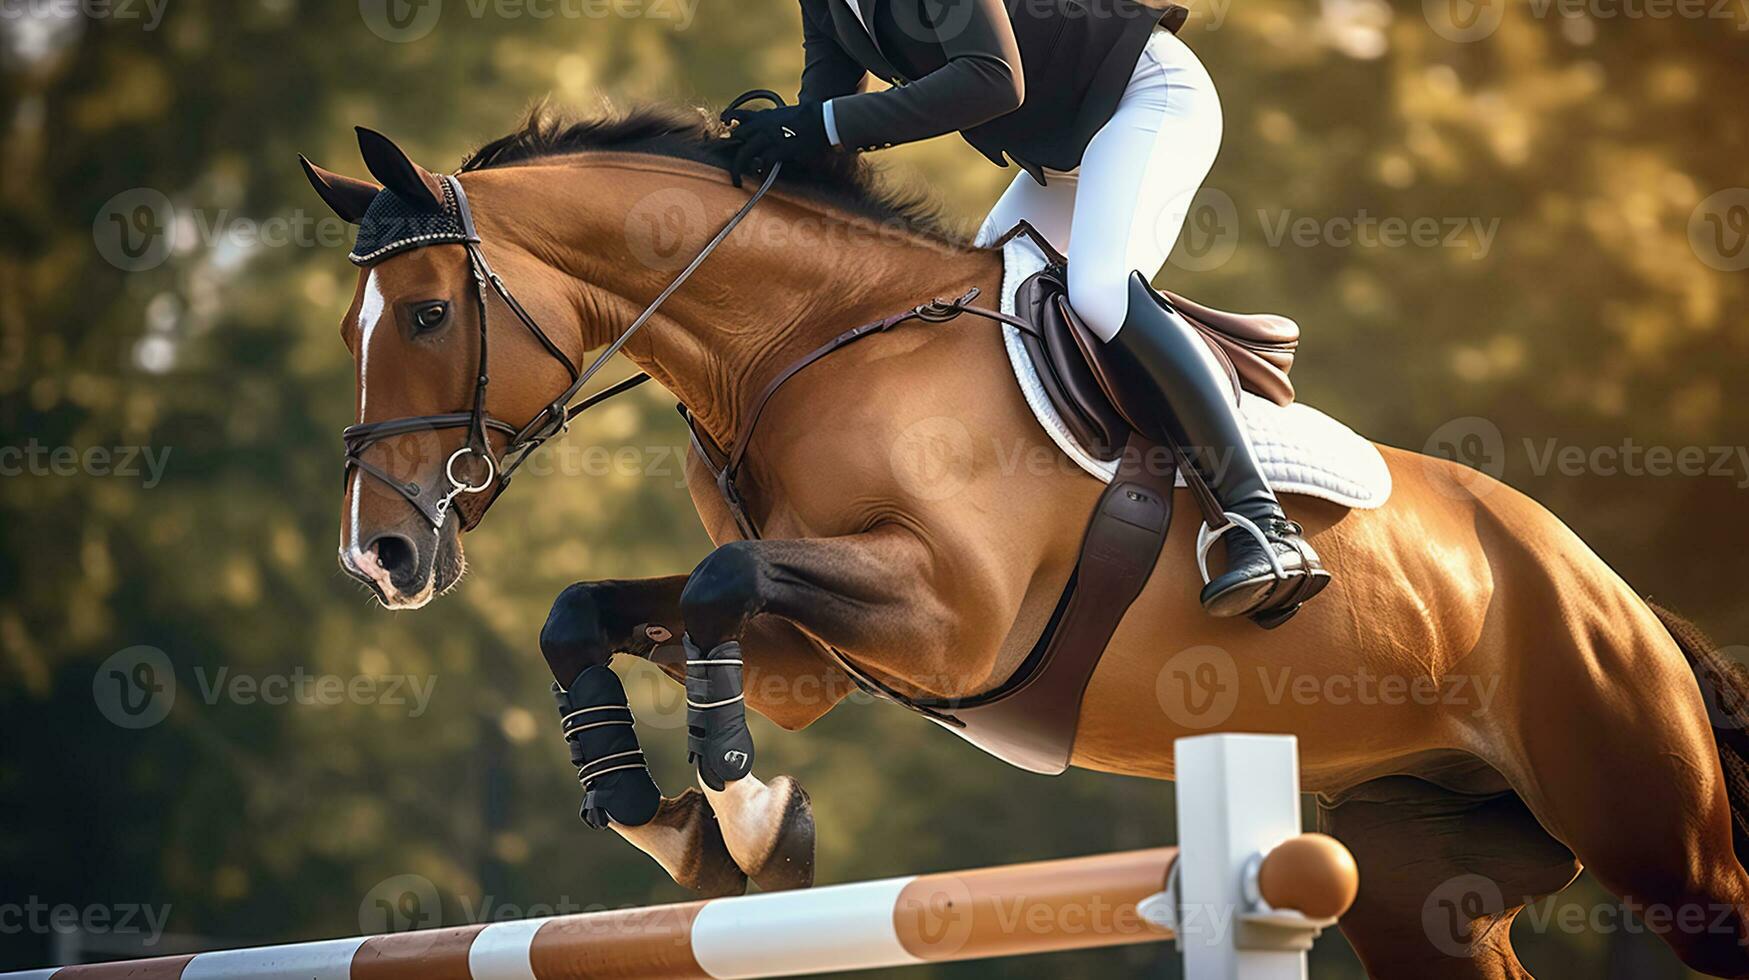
pixel 843 180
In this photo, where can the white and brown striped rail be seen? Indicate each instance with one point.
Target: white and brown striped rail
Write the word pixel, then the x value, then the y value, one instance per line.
pixel 1257 891
pixel 1028 908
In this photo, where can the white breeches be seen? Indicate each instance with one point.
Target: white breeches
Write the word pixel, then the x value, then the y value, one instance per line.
pixel 1127 201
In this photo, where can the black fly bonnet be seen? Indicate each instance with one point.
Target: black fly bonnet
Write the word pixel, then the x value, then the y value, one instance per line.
pixel 394 224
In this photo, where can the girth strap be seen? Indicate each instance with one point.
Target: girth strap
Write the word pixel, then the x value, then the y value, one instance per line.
pixel 1031 719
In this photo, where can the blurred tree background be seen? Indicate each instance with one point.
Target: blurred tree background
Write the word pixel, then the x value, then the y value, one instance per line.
pixel 1591 157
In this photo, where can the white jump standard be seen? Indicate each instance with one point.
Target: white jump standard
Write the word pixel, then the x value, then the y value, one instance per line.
pixel 1245 896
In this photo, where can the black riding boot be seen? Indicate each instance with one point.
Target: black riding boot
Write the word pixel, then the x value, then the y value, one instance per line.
pixel 1162 353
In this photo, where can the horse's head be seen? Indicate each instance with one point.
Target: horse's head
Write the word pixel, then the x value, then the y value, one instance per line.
pixel 424 459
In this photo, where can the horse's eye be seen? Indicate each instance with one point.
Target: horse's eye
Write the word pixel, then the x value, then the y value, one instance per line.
pixel 431 315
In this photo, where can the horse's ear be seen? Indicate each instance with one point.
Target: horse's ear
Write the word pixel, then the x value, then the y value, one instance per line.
pixel 348 196
pixel 398 173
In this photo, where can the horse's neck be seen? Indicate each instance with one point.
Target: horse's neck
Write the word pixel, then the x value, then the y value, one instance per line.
pixel 791 301
pixel 791 276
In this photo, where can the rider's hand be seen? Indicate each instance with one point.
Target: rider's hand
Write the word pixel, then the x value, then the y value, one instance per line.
pixel 763 137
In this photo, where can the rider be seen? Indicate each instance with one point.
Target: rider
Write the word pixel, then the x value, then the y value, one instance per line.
pixel 1114 123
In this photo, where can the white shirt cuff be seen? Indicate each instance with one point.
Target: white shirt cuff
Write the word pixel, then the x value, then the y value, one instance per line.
pixel 831 124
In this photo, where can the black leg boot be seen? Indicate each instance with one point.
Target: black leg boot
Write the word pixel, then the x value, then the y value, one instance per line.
pixel 597 721
pixel 1271 569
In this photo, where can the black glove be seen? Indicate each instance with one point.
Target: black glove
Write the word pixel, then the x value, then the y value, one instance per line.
pixel 763 137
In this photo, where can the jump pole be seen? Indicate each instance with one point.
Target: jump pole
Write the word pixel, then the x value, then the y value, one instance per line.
pixel 1245 897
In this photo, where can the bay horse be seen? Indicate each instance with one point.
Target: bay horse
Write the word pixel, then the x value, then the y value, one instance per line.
pixel 1546 717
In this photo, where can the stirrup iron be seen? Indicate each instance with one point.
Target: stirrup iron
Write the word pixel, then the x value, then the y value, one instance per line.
pixel 1206 538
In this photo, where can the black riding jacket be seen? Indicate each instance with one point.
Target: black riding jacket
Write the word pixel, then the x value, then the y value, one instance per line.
pixel 1032 79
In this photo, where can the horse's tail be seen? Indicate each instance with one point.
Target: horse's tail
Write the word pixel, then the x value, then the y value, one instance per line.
pixel 1725 686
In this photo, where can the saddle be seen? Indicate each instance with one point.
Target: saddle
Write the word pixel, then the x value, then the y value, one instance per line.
pixel 1256 349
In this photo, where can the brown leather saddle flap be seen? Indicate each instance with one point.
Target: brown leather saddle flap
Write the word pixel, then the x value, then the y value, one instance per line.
pixel 1071 381
pixel 1257 350
pixel 1259 346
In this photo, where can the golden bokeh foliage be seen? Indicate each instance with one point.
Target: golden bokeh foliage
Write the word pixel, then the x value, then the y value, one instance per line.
pixel 1521 212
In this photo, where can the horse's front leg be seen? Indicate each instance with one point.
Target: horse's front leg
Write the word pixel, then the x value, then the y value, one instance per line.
pixel 862 592
pixel 588 624
pixel 792 685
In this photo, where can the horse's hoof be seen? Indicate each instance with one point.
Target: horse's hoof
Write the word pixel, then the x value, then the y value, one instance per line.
pixel 790 861
pixel 707 869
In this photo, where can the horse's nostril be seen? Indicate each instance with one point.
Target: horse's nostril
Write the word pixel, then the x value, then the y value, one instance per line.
pixel 397 556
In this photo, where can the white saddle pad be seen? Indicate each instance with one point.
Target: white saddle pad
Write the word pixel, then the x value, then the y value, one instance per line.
pixel 1301 449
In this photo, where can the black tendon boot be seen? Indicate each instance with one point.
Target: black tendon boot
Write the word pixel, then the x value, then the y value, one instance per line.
pixel 610 765
pixel 717 738
pixel 1271 569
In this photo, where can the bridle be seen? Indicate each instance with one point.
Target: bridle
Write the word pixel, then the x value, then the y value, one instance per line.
pixel 456 226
